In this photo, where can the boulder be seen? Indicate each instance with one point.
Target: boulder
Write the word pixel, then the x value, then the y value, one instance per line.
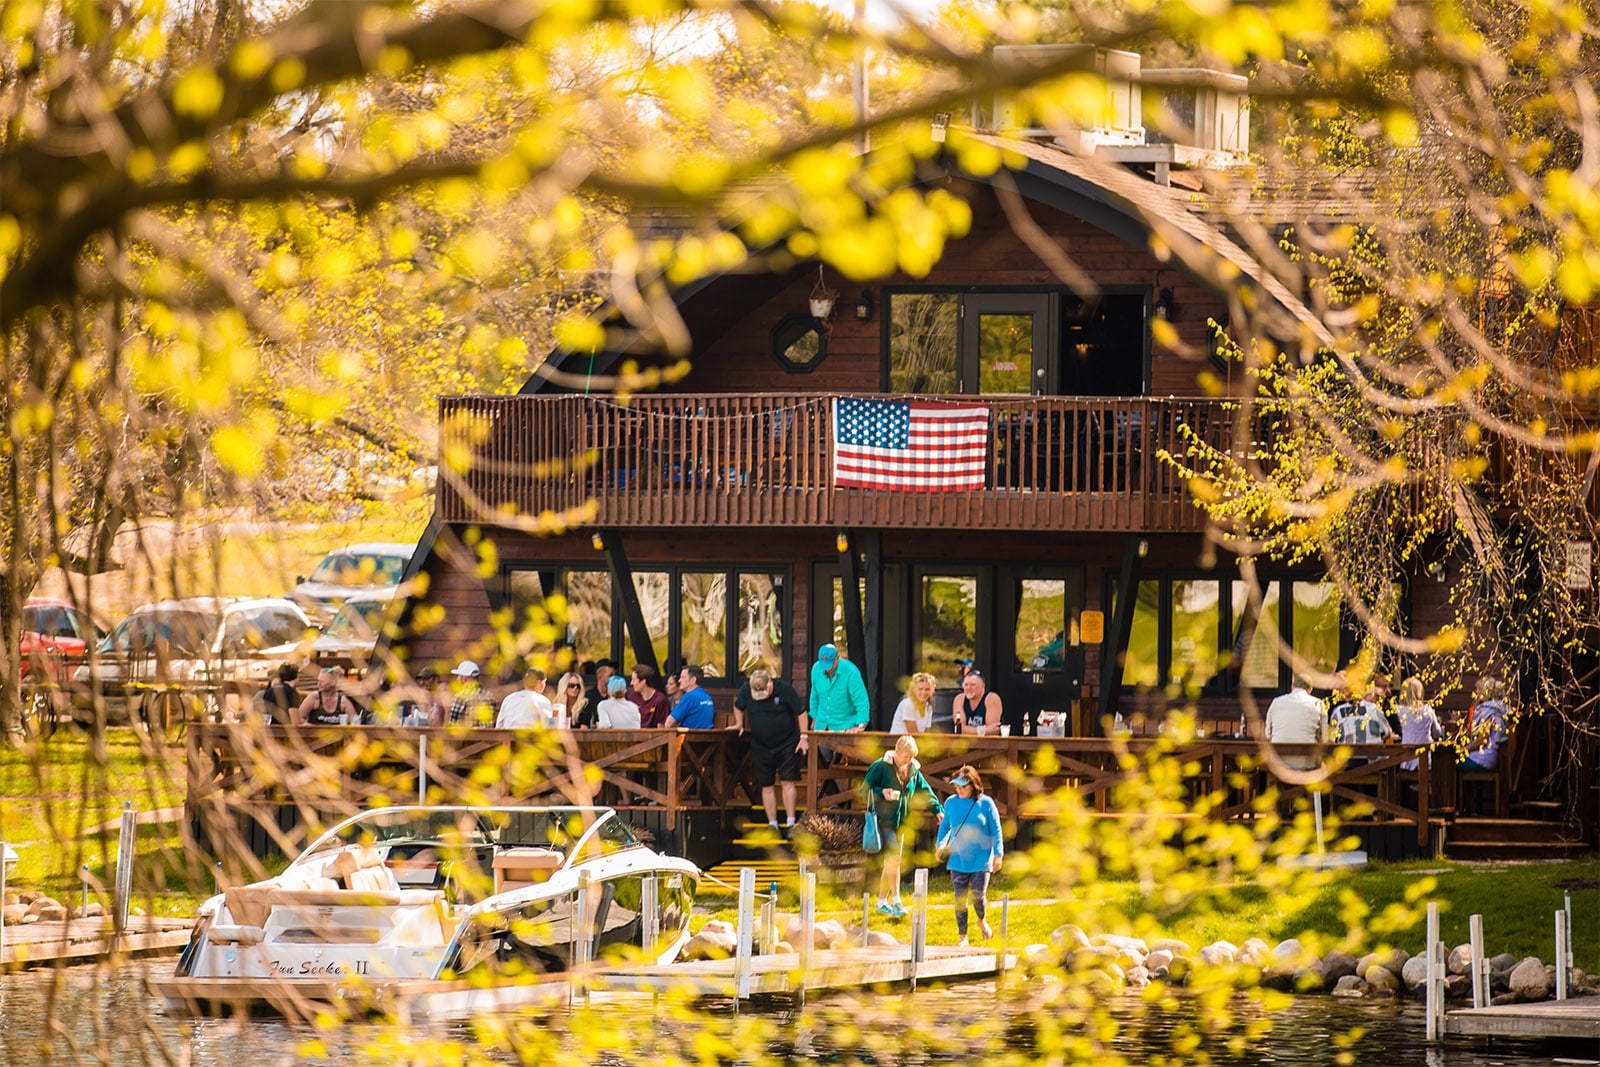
pixel 1310 979
pixel 1350 986
pixel 14 913
pixel 1460 960
pixel 12 898
pixel 1288 957
pixel 1138 977
pixel 1253 953
pixel 831 934
pixel 39 903
pixel 783 948
pixel 51 913
pixel 1457 987
pixel 1218 954
pixel 1036 955
pixel 1503 998
pixel 1172 945
pixel 1382 980
pixel 1529 980
pixel 1501 964
pixel 1394 959
pixel 1283 983
pixel 92 910
pixel 1068 937
pixel 715 941
pixel 1158 958
pixel 878 939
pixel 1337 964
pixel 1130 945
pixel 28 918
pixel 1179 969
pixel 1415 972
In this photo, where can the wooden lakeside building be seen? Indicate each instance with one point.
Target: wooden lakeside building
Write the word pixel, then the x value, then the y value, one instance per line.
pixel 705 521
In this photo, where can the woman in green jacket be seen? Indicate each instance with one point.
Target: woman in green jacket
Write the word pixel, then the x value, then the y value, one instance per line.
pixel 895 788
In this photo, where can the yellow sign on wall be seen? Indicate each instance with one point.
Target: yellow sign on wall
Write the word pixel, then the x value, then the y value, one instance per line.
pixel 1092 624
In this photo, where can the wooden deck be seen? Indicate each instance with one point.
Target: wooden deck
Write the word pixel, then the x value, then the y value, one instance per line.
pixel 1082 463
pixel 82 940
pixel 1575 1018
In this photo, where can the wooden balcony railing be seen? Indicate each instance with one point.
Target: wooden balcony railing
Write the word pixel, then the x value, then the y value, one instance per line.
pixel 764 459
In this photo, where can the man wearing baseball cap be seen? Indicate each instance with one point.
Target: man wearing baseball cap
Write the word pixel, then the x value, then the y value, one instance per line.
pixel 776 718
pixel 471 704
pixel 838 695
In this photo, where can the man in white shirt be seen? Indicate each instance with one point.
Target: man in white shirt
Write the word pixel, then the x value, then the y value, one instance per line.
pixel 1297 718
pixel 528 706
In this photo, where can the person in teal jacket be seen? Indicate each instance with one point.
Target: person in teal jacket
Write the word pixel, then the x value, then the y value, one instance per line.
pixel 838 695
pixel 897 790
pixel 971 840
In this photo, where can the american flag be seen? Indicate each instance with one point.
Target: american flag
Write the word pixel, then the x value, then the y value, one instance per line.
pixel 909 445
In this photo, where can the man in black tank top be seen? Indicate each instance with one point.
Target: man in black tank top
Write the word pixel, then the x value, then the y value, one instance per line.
pixel 328 706
pixel 977 705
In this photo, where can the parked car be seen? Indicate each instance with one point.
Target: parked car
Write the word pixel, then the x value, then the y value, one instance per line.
pixel 370 568
pixel 352 636
pixel 176 660
pixel 56 637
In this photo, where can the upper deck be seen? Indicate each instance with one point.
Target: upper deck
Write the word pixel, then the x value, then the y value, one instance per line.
pixel 758 460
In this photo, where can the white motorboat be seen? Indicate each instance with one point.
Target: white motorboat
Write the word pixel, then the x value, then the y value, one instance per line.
pixel 448 909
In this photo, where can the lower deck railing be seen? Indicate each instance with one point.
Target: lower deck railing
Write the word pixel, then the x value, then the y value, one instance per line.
pixel 279 786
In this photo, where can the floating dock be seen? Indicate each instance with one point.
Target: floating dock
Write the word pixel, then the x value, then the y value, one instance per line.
pixel 83 940
pixel 1577 1018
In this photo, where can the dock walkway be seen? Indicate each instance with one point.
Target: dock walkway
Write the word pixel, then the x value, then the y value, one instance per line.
pixel 1577 1017
pixel 82 940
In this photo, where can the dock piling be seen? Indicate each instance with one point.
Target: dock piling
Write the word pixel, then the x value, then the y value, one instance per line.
pixel 123 892
pixel 1435 979
pixel 1000 949
pixel 866 917
pixel 1480 998
pixel 919 922
pixel 649 919
pixel 1561 955
pixel 422 768
pixel 808 925
pixel 744 932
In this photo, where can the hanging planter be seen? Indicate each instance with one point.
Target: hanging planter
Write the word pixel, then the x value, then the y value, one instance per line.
pixel 822 299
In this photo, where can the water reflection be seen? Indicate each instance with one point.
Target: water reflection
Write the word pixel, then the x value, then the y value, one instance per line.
pixel 104 1015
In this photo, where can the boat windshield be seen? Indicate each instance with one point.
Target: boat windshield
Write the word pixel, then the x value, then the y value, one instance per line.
pixel 554 828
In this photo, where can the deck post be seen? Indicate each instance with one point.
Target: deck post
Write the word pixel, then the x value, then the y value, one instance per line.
pixel 1565 963
pixel 1561 955
pixel 123 893
pixel 769 922
pixel 650 918
pixel 745 933
pixel 919 922
pixel 1434 978
pixel 1475 941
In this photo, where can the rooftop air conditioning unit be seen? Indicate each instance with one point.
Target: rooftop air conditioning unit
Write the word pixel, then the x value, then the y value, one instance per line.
pixel 1118 119
pixel 1206 109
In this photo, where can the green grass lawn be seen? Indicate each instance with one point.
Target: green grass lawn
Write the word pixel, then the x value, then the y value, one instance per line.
pixel 1517 901
pixel 53 793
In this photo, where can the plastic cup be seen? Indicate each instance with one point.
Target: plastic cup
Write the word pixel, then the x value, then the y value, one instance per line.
pixel 980 729
pixel 1005 730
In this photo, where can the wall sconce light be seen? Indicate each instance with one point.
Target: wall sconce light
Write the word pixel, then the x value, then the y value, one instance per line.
pixel 598 542
pixel 1165 307
pixel 864 305
pixel 822 298
pixel 941 123
pixel 1435 571
pixel 841 541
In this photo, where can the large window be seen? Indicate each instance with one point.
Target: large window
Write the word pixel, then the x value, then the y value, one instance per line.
pixel 1188 632
pixel 728 622
pixel 947 624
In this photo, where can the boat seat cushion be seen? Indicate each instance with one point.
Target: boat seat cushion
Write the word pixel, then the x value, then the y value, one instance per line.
pixel 514 867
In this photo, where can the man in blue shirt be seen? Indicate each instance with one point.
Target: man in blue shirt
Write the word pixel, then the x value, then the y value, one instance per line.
pixel 694 710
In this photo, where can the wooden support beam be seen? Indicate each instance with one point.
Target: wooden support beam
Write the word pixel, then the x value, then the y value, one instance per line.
pixel 1116 645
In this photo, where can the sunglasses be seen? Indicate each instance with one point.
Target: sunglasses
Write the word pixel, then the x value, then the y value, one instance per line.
pixel 574 685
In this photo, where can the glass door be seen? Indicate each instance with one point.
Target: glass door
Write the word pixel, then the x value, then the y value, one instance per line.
pixel 1038 667
pixel 1005 342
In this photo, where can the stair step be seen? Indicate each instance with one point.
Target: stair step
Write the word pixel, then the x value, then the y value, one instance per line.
pixel 1491 830
pixel 1510 850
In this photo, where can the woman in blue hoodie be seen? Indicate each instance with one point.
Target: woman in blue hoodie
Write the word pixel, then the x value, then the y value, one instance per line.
pixel 971 843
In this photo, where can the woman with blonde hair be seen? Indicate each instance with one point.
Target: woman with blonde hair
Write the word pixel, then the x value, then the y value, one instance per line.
pixel 896 790
pixel 570 700
pixel 1419 723
pixel 915 713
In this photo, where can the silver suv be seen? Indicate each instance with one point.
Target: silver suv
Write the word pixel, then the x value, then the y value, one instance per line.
pixel 372 568
pixel 178 660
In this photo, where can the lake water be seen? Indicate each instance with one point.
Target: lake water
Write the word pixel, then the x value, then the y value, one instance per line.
pixel 104 1015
